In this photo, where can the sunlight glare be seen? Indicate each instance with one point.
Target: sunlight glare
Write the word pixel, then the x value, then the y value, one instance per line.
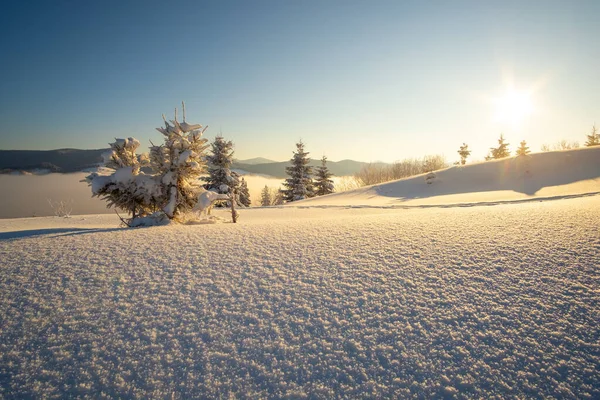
pixel 513 107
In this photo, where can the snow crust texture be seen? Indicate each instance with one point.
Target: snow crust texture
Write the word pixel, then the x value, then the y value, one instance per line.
pixel 477 302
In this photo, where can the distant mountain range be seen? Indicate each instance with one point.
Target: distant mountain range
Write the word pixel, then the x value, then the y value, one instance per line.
pixel 74 160
pixel 277 169
pixel 61 160
pixel 255 161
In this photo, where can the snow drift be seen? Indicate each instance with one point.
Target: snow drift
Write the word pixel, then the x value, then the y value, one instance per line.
pixel 319 301
pixel 535 176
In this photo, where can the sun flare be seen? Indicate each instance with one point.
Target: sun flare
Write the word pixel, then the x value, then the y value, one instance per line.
pixel 513 107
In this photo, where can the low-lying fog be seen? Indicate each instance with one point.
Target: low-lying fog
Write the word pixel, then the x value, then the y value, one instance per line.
pixel 31 195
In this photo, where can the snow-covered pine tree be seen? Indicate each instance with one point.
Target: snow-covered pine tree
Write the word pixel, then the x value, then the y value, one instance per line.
pixel 122 184
pixel 502 150
pixel 593 139
pixel 464 152
pixel 220 178
pixel 179 162
pixel 300 184
pixel 323 184
pixel 277 198
pixel 265 197
pixel 243 198
pixel 523 150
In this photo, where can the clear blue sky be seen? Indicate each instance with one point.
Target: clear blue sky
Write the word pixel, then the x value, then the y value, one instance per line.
pixel 368 80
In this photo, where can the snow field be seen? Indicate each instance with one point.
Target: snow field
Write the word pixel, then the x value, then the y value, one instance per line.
pixel 476 302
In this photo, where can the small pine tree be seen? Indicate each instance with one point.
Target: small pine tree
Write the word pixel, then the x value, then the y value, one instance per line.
pixel 265 197
pixel 126 187
pixel 502 150
pixel 178 163
pixel 593 139
pixel 277 198
pixel 220 178
pixel 523 150
pixel 464 152
pixel 323 184
pixel 243 198
pixel 300 184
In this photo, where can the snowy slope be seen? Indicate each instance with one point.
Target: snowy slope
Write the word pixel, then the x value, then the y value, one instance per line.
pixel 378 293
pixel 471 302
pixel 539 175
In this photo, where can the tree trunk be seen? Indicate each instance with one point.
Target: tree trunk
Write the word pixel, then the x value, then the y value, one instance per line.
pixel 233 212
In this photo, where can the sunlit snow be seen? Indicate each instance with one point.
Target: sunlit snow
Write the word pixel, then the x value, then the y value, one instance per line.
pixel 382 292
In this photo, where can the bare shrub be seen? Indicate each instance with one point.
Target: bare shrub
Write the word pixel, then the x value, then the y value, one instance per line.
pixel 560 145
pixel 345 183
pixel 372 174
pixel 565 145
pixel 407 167
pixel 434 162
pixel 61 208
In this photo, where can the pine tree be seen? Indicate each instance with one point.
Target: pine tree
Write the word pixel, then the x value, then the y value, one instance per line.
pixel 323 184
pixel 220 178
pixel 243 198
pixel 179 162
pixel 502 150
pixel 300 184
pixel 125 186
pixel 593 139
pixel 265 197
pixel 277 198
pixel 523 150
pixel 172 187
pixel 464 152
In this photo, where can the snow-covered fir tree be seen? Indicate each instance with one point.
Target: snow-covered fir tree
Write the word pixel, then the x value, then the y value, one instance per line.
pixel 122 184
pixel 300 184
pixel 277 198
pixel 243 194
pixel 220 178
pixel 523 150
pixel 464 152
pixel 179 162
pixel 173 185
pixel 265 197
pixel 323 184
pixel 501 151
pixel 593 139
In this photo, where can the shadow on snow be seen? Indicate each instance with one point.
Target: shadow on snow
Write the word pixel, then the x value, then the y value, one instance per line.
pixel 56 231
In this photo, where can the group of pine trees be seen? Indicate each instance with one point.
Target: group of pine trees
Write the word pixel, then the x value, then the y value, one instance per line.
pixel 302 183
pixel 502 151
pixel 171 186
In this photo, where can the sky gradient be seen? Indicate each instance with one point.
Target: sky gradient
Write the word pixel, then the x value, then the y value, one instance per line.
pixel 370 80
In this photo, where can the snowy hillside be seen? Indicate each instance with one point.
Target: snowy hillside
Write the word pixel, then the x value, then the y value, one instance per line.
pixel 536 176
pixel 376 293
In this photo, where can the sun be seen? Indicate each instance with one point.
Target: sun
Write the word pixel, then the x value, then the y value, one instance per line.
pixel 513 107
